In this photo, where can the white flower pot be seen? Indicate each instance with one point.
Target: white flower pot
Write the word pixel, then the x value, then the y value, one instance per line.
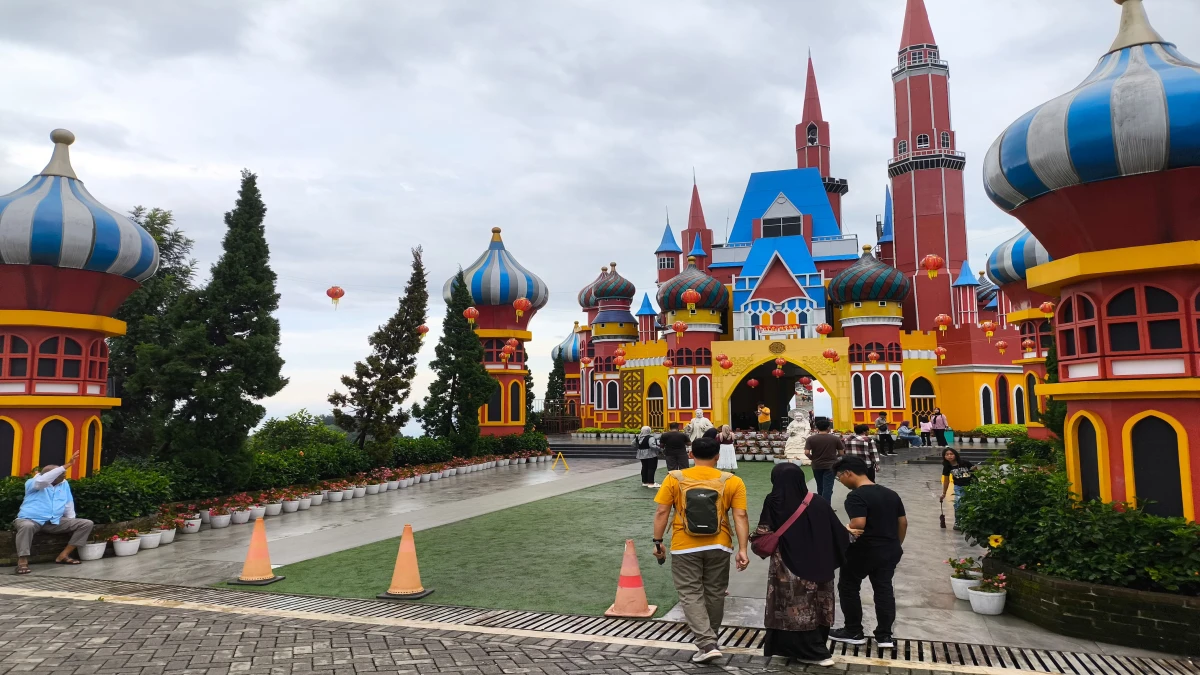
pixel 393 485
pixel 324 493
pixel 217 522
pixel 124 548
pixel 204 515
pixel 503 462
pixel 382 487
pixel 373 489
pixel 347 494
pixel 960 586
pixel 336 496
pixel 93 551
pixel 240 517
pixel 316 498
pixel 274 509
pixel 149 540
pixel 166 536
pixel 435 476
pixel 360 491
pixel 191 526
pixel 257 512
pixel 452 472
pixel 291 506
pixel 305 502
pixel 990 604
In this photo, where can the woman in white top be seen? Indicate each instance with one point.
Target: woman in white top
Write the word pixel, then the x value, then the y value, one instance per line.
pixel 727 460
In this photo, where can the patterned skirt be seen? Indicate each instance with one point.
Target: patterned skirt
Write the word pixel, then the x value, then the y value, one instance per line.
pixel 798 615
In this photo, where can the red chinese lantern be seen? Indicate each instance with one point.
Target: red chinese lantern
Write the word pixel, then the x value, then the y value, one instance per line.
pixel 931 264
pixel 1027 344
pixel 726 364
pixel 680 327
pixel 618 361
pixel 820 390
pixel 806 380
pixel 778 372
pixel 943 321
pixel 522 305
pixel 667 363
pixel 690 297
pixel 422 329
pixel 752 383
pixel 873 357
pixel 620 352
pixel 1001 345
pixel 471 314
pixel 720 357
pixel 586 361
pixel 836 358
pixel 941 352
pixel 989 329
pixel 335 293
pixel 513 342
pixel 506 352
pixel 781 362
pixel 830 354
pixel 824 330
pixel 1047 308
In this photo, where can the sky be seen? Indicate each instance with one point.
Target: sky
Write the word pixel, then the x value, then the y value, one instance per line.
pixel 573 125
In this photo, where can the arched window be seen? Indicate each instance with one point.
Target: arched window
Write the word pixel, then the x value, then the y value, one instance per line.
pixel 98 361
pixel 1197 310
pixel 856 386
pixel 1156 470
pixel 1002 400
pixel 1077 328
pixel 1089 459
pixel 703 395
pixel 897 391
pixel 685 393
pixel 53 443
pixel 671 393
pixel 516 403
pixel 598 401
pixel 902 148
pixel 894 353
pixel 613 396
pixel 945 139
pixel 495 405
pixel 878 399
pixel 14 359
pixel 1019 404
pixel 491 351
pixel 857 353
pixel 812 134
pixel 876 347
pixel 8 446
pixel 923 141
pixel 1035 412
pixel 60 357
pixel 683 357
pixel 1154 320
pixel 986 412
pixel 703 357
pixel 92 445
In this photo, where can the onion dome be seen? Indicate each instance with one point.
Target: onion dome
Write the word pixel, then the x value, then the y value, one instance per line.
pixel 54 221
pixel 712 292
pixel 668 245
pixel 587 296
pixel 1134 114
pixel 568 349
pixel 496 278
pixel 868 279
pixel 613 286
pixel 986 292
pixel 1012 259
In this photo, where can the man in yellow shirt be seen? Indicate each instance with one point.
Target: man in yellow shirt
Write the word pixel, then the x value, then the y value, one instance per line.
pixel 701 540
pixel 764 418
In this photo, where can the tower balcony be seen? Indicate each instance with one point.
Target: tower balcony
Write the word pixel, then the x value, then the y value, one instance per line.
pixel 836 185
pixel 928 158
pixel 920 67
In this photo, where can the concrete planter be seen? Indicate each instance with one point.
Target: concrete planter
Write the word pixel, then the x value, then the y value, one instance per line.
pixel 373 489
pixel 126 548
pixel 449 472
pixel 240 517
pixel 191 526
pixel 425 478
pixel 960 586
pixel 205 515
pixel 991 604
pixel 393 485
pixel 166 536
pixel 435 476
pixel 149 539
pixel 257 512
pixel 93 551
pixel 336 496
pixel 360 491
pixel 291 506
pixel 305 503
pixel 317 498
pixel 218 522
pixel 274 509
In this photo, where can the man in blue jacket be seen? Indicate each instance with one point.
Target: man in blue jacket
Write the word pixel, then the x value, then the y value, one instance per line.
pixel 49 507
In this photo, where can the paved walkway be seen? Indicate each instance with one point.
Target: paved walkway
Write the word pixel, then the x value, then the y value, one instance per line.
pixel 212 556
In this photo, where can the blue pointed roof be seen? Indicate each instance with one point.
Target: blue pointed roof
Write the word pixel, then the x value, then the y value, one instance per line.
pixel 698 249
pixel 887 217
pixel 994 303
pixel 668 245
pixel 966 277
pixel 802 187
pixel 646 309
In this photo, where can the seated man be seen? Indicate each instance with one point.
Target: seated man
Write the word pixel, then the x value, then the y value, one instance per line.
pixel 49 507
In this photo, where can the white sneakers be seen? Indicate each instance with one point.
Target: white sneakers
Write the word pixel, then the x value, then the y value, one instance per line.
pixel 705 657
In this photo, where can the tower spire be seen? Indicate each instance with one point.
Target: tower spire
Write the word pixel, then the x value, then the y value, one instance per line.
pixel 695 210
pixel 812 97
pixel 917 30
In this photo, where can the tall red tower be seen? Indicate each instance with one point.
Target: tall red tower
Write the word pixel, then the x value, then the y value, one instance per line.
pixel 812 144
pixel 697 238
pixel 926 172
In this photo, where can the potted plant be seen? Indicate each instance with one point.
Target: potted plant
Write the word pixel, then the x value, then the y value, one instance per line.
pixel 167 525
pixel 317 496
pixel 988 597
pixel 93 550
pixel 964 573
pixel 239 508
pixel 291 502
pixel 125 543
pixel 220 516
pixel 305 500
pixel 257 509
pixel 191 520
pixel 347 491
pixel 393 479
pixel 335 491
pixel 149 538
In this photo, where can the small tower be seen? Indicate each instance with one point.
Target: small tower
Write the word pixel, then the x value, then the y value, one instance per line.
pixel 965 301
pixel 667 255
pixel 813 144
pixel 697 236
pixel 690 375
pixel 887 241
pixel 697 254
pixel 570 349
pixel 607 301
pixel 647 318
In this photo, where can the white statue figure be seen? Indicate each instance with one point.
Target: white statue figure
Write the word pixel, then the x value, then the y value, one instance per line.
pixel 798 432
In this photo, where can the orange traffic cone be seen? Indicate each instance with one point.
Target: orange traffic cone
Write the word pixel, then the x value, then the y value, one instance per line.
pixel 257 570
pixel 406 577
pixel 631 594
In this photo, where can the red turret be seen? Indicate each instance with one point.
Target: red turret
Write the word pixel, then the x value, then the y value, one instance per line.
pixel 926 172
pixel 697 231
pixel 812 143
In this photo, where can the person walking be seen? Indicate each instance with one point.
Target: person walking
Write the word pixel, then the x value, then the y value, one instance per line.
pixel 877 517
pixel 727 460
pixel 646 453
pixel 955 470
pixel 702 540
pixel 883 434
pixel 764 417
pixel 861 445
pixel 698 426
pixel 674 444
pixel 799 611
pixel 939 426
pixel 823 449
pixel 925 428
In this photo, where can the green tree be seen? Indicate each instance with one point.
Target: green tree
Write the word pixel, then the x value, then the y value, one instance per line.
pixel 556 385
pixel 376 393
pixel 224 356
pixel 531 419
pixel 462 384
pixel 131 429
pixel 1055 417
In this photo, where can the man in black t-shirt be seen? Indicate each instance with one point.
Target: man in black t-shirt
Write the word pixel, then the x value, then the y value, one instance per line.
pixel 824 449
pixel 674 444
pixel 877 517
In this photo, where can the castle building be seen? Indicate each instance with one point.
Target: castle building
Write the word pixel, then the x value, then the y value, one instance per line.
pixel 67 262
pixel 1104 177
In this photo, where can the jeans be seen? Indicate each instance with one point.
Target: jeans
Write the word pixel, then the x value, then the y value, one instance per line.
pixel 886 446
pixel 879 566
pixel 701 579
pixel 824 479
pixel 940 435
pixel 649 468
pixel 959 491
pixel 914 441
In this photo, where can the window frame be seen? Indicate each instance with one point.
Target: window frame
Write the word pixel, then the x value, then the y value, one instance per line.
pixel 685 388
pixel 7 356
pixel 611 401
pixel 902 148
pixel 1142 318
pixel 945 139
pixel 896 382
pixel 923 144
pixel 881 402
pixel 703 393
pixel 858 391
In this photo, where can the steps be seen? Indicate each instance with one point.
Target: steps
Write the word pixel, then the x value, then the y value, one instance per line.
pixel 973 453
pixel 593 450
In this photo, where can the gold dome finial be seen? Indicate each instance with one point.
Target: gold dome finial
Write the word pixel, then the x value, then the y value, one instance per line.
pixel 1135 27
pixel 60 161
pixel 496 234
pixel 867 248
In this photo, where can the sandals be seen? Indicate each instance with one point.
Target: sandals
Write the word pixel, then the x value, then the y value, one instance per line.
pixel 67 561
pixel 23 569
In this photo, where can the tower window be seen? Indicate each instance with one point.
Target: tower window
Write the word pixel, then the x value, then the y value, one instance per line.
pixel 812 134
pixel 933 55
pixel 917 57
pixel 791 226
pixel 902 148
pixel 945 139
pixel 923 141
pixel 666 263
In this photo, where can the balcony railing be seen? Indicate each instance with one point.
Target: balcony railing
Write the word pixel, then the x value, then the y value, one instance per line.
pixel 927 152
pixel 920 64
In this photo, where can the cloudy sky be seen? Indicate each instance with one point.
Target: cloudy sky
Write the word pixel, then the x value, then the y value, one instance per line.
pixel 379 126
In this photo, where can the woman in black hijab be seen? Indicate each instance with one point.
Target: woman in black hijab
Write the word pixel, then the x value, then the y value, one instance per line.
pixel 800 585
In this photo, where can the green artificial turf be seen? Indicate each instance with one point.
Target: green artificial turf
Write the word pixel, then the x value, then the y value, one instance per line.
pixel 561 554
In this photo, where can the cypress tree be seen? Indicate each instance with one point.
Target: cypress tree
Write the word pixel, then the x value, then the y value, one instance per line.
pixel 380 385
pixel 224 356
pixel 1055 417
pixel 462 384
pixel 131 429
pixel 556 386
pixel 531 422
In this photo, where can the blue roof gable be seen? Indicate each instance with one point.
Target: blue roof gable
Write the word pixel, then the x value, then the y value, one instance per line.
pixel 887 217
pixel 794 253
pixel 966 277
pixel 803 187
pixel 646 309
pixel 668 245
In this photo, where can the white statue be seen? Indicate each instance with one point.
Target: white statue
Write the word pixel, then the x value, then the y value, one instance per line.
pixel 798 432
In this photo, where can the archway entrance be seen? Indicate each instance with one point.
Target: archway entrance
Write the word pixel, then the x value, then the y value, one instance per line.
pixel 654 406
pixel 775 392
pixel 921 398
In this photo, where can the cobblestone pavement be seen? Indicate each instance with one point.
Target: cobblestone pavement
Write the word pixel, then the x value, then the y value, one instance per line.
pixel 68 637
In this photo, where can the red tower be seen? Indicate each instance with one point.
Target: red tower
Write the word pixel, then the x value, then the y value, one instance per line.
pixel 812 144
pixel 697 238
pixel 926 173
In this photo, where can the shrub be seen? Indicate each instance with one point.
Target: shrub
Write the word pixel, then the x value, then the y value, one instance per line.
pixel 999 430
pixel 1030 449
pixel 488 445
pixel 412 451
pixel 121 491
pixel 297 430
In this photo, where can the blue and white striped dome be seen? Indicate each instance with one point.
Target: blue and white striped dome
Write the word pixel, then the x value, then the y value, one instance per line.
pixel 52 220
pixel 1012 259
pixel 1138 112
pixel 569 347
pixel 496 278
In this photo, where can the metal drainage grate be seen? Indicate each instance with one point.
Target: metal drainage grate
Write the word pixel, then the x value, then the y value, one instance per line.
pixel 906 651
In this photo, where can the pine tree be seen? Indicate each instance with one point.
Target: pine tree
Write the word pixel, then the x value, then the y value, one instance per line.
pixel 380 385
pixel 1055 417
pixel 224 356
pixel 556 386
pixel 531 420
pixel 462 385
pixel 130 430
